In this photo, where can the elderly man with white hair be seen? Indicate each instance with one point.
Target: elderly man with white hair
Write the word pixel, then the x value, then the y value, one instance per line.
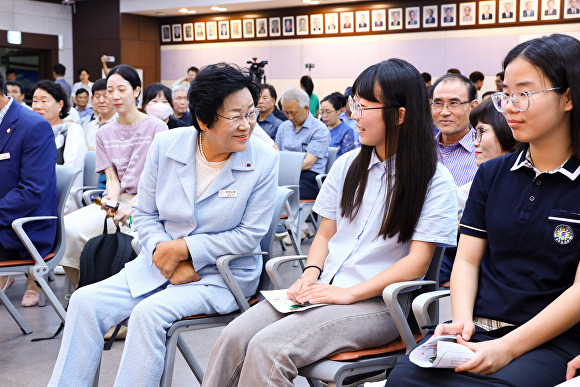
pixel 180 105
pixel 304 133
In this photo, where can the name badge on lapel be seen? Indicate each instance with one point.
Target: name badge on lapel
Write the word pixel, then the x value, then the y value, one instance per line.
pixel 228 193
pixel 4 156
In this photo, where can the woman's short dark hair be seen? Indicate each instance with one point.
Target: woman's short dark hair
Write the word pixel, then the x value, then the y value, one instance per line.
pixel 336 99
pixel 395 83
pixel 486 113
pixel 212 85
pixel 83 69
pixel 307 84
pixel 57 92
pixel 558 57
pixel 128 73
pixel 153 90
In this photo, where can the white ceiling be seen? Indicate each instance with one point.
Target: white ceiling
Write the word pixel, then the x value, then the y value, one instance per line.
pixel 170 7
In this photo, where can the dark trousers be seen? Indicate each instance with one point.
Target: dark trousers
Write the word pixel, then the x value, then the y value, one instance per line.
pixel 308 186
pixel 8 255
pixel 543 366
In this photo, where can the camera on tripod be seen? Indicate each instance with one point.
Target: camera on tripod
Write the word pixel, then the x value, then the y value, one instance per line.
pixel 257 68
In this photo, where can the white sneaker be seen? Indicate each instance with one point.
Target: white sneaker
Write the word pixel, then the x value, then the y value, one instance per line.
pixel 59 270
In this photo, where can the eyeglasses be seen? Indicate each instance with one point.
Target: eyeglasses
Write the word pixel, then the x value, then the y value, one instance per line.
pixel 520 99
pixel 325 112
pixel 237 120
pixel 356 107
pixel 478 133
pixel 438 106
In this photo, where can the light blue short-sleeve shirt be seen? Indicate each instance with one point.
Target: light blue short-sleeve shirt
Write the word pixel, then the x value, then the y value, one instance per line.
pixel 313 137
pixel 355 252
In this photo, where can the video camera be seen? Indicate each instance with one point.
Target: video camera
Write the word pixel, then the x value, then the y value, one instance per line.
pixel 257 68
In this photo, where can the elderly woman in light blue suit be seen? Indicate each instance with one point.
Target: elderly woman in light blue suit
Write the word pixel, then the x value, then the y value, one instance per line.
pixel 203 193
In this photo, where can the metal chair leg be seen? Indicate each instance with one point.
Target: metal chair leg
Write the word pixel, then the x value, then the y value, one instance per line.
pixel 190 359
pixel 14 313
pixel 39 273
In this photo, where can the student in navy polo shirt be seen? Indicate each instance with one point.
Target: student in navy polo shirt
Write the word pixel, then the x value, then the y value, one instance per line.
pixel 514 299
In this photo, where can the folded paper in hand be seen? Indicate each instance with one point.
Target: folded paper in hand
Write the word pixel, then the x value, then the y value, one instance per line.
pixel 279 300
pixel 441 352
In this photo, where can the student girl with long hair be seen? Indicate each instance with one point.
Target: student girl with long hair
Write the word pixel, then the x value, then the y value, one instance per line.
pixel 513 291
pixel 384 209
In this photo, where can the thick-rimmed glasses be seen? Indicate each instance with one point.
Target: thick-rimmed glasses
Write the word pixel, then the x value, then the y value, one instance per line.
pixel 438 106
pixel 356 107
pixel 478 133
pixel 237 119
pixel 325 112
pixel 520 99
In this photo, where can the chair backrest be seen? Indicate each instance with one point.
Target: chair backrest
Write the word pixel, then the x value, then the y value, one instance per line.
pixel 332 152
pixel 65 177
pixel 290 167
pixel 267 243
pixel 90 177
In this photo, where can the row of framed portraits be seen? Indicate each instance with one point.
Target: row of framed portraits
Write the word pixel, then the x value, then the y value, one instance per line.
pixel 429 16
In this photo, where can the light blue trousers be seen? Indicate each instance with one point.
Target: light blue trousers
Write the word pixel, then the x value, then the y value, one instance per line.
pixel 95 308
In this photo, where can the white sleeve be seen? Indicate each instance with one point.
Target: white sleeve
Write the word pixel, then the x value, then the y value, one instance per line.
pixel 262 135
pixel 75 151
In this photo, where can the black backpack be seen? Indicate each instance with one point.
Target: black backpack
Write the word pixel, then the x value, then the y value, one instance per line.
pixel 104 256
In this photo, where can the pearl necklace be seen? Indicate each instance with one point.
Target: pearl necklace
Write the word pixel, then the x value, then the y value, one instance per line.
pixel 218 164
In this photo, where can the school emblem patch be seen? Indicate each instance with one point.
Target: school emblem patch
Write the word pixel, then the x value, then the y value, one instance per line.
pixel 563 234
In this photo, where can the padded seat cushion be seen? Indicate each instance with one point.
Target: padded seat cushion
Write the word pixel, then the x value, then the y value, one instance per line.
pixel 23 262
pixel 393 346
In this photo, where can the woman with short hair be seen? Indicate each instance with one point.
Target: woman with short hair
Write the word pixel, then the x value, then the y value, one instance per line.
pixel 157 101
pixel 341 135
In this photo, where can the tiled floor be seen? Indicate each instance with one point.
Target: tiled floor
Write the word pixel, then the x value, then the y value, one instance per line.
pixel 24 363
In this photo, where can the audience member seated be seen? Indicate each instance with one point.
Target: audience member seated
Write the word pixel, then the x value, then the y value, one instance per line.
pixel 122 147
pixel 28 188
pixel 180 108
pixel 104 110
pixel 50 101
pixel 82 102
pixel 84 83
pixel 304 133
pixel 157 103
pixel 492 138
pixel 513 290
pixel 267 103
pixel 15 90
pixel 453 98
pixel 184 225
pixel 307 85
pixel 477 79
pixel 341 135
pixel 358 249
pixel 346 117
pixel 186 81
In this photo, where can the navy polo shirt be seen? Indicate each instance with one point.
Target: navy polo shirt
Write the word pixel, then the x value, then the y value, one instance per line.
pixel 532 226
pixel 270 125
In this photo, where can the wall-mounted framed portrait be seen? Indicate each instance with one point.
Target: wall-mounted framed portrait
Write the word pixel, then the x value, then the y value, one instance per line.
pixel 379 20
pixel 249 28
pixel 316 24
pixel 395 18
pixel 224 28
pixel 486 12
pixel 346 22
pixel 550 9
pixel 507 11
pixel 331 23
pixel 528 10
pixel 274 26
pixel 302 25
pixel 176 29
pixel 166 33
pixel 211 28
pixel 412 20
pixel 200 31
pixel 261 27
pixel 362 21
pixel 236 29
pixel 430 16
pixel 188 32
pixel 467 14
pixel 571 9
pixel 288 25
pixel 449 15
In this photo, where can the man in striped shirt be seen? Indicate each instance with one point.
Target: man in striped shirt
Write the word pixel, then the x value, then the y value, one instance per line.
pixel 454 96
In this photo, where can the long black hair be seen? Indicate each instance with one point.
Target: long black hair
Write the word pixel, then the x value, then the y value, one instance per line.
pixel 395 83
pixel 558 56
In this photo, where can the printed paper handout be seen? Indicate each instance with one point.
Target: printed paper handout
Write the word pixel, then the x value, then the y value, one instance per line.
pixel 441 352
pixel 279 300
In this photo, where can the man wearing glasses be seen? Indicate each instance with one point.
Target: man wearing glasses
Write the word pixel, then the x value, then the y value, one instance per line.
pixel 454 96
pixel 304 133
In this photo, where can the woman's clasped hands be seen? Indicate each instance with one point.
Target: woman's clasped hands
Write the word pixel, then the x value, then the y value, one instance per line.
pixel 308 290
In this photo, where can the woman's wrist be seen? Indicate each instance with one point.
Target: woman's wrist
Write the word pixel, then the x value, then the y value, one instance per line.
pixel 312 273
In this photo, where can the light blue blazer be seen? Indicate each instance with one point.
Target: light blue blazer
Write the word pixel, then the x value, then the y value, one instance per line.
pixel 213 225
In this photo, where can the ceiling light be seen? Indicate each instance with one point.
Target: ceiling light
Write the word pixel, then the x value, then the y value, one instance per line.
pixel 192 11
pixel 216 8
pixel 183 10
pixel 312 2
